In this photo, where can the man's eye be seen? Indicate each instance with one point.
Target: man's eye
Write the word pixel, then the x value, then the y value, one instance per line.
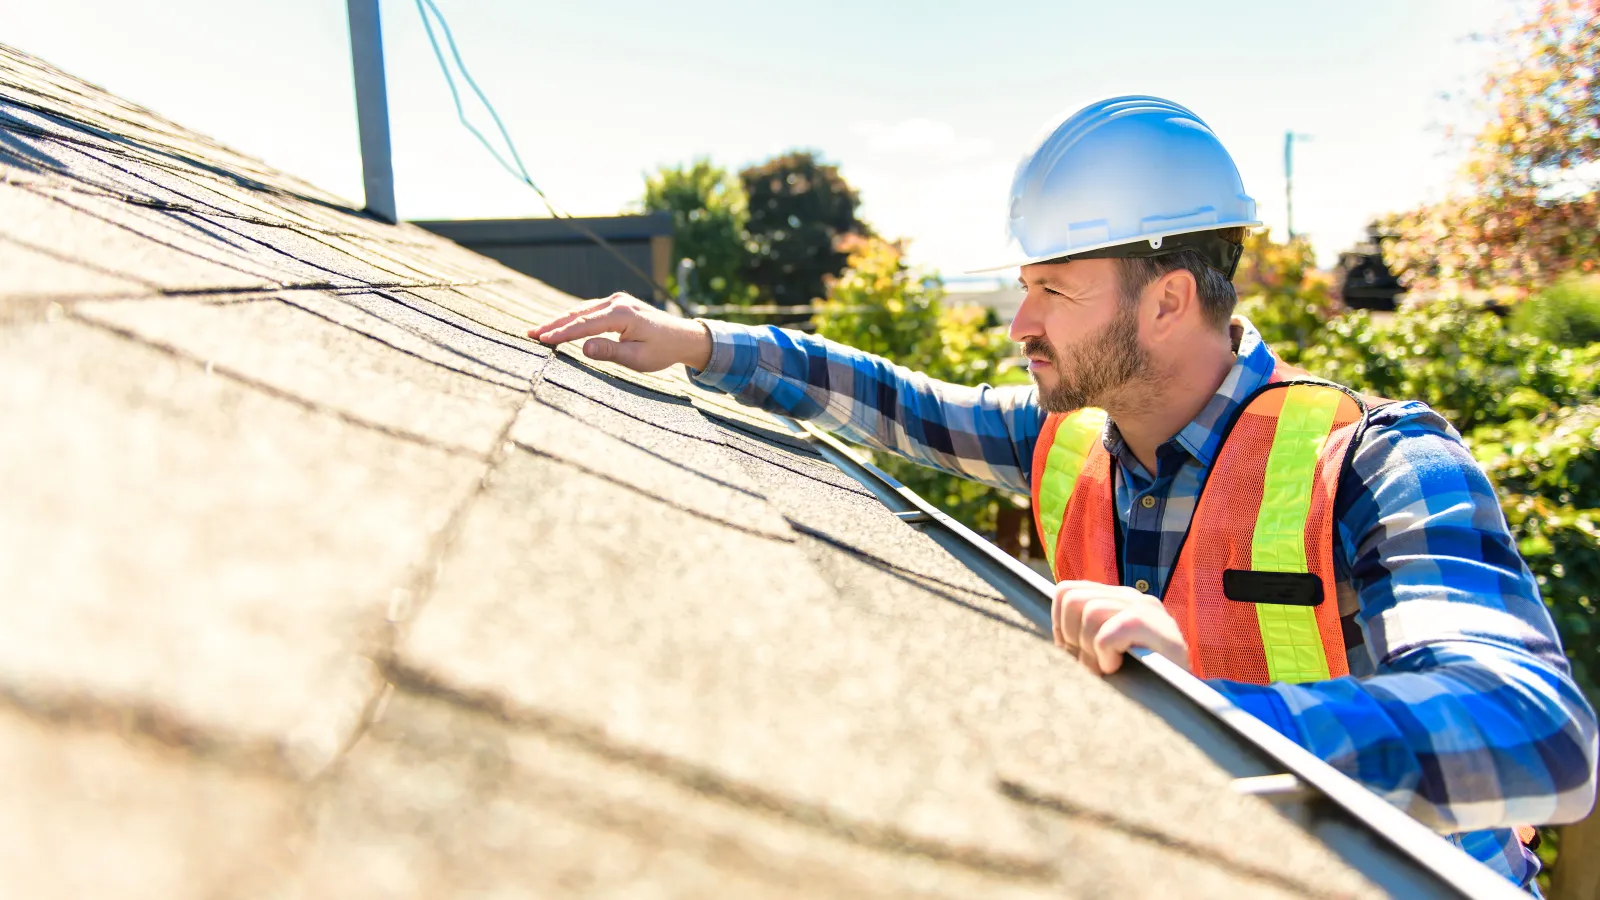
pixel 1024 289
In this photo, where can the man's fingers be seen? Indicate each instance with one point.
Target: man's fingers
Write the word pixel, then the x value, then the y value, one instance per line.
pixel 1133 627
pixel 1095 613
pixel 1121 632
pixel 1098 623
pixel 589 307
pixel 625 353
pixel 601 348
pixel 567 317
pixel 610 319
pixel 1065 611
pixel 1059 624
pixel 1055 620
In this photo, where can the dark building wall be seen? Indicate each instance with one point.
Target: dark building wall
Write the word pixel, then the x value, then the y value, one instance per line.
pixel 583 270
pixel 557 253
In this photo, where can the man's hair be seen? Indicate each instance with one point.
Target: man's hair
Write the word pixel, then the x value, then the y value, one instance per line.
pixel 1217 297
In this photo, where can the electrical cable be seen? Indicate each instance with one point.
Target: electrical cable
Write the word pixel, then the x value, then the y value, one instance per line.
pixel 519 171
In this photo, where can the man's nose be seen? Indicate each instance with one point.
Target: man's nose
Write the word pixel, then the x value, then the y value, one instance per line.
pixel 1026 323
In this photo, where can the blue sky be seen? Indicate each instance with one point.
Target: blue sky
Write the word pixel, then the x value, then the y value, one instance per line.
pixel 925 106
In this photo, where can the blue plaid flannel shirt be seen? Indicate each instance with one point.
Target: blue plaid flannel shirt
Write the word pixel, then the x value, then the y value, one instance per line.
pixel 1467 717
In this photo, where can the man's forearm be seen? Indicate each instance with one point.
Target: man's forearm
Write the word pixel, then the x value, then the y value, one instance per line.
pixel 982 433
pixel 1463 736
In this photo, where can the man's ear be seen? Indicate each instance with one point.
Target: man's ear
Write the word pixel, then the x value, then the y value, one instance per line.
pixel 1176 296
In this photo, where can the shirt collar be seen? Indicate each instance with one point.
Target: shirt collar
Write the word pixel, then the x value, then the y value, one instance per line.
pixel 1252 367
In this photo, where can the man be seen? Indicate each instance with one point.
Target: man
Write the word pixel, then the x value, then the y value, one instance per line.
pixel 1336 565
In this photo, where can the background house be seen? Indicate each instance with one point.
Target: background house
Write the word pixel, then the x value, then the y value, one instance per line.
pixel 559 253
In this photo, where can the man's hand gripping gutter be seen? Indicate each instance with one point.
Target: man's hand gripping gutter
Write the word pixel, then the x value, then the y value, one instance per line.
pixel 1098 623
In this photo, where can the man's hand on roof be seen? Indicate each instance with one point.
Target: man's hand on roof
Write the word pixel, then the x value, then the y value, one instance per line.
pixel 1100 622
pixel 648 339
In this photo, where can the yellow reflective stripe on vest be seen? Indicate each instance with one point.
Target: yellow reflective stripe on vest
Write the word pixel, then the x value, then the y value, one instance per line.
pixel 1074 439
pixel 1289 634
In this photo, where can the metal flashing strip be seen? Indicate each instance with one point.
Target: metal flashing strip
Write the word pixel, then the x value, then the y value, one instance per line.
pixel 1394 851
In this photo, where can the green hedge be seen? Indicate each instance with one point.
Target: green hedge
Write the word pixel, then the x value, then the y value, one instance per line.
pixel 1566 313
pixel 1459 358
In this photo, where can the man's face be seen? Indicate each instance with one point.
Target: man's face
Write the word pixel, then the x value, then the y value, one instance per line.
pixel 1081 338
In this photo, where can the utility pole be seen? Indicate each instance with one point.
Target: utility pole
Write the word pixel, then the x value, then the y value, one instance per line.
pixel 685 275
pixel 1289 137
pixel 372 108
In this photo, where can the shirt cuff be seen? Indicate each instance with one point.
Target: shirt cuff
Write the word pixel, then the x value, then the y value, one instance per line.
pixel 733 357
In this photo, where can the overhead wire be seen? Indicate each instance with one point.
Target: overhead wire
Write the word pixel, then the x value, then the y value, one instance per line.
pixel 518 171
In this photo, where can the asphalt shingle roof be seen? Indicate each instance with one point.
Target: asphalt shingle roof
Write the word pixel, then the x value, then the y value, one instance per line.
pixel 320 579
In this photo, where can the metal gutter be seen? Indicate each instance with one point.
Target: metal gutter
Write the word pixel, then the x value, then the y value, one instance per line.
pixel 1394 851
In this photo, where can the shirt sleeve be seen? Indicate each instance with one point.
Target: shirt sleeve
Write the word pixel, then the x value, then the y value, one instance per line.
pixel 983 433
pixel 1472 719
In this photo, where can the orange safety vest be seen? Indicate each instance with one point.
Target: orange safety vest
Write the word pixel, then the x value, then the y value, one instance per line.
pixel 1253 587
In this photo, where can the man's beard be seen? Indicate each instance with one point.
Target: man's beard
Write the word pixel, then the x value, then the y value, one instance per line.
pixel 1097 367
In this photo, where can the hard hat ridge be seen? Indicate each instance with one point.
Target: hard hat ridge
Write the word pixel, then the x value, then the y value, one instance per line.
pixel 1128 170
pixel 1070 129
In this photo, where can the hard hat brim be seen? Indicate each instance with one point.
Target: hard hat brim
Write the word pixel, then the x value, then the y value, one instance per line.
pixel 1089 248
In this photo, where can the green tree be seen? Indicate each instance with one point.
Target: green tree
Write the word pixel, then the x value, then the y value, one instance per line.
pixel 879 306
pixel 799 210
pixel 708 210
pixel 1529 199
